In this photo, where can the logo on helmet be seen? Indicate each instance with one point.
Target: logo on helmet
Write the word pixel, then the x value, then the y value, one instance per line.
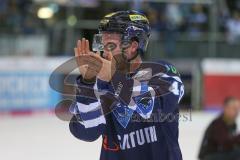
pixel 137 17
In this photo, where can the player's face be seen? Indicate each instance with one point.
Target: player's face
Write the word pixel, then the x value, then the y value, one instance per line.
pixel 112 44
pixel 232 110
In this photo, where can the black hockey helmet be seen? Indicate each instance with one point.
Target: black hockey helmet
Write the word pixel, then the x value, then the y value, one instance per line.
pixel 133 25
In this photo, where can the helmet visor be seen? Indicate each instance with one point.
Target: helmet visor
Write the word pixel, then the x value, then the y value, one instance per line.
pixel 108 41
pixel 97 44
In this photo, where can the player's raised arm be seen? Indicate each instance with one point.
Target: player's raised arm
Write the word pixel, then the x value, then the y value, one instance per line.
pixel 88 121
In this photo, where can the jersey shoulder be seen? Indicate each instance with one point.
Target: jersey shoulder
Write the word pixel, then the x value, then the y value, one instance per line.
pixel 170 69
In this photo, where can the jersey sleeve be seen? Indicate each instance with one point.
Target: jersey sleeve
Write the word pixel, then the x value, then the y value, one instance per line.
pixel 172 90
pixel 88 121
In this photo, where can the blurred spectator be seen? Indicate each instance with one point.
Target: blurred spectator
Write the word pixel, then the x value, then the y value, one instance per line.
pixel 14 19
pixel 233 5
pixel 197 21
pixel 223 14
pixel 173 15
pixel 154 23
pixel 14 15
pixel 155 14
pixel 221 140
pixel 3 13
pixel 174 20
pixel 29 26
pixel 3 8
pixel 233 28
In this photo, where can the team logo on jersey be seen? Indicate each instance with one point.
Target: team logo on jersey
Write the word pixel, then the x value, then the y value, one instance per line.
pixel 172 69
pixel 123 114
pixel 144 104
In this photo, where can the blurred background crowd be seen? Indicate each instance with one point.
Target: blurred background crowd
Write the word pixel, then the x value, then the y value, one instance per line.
pixel 178 24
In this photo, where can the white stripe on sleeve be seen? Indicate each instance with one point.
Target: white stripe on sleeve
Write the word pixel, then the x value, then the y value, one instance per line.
pixel 87 108
pixel 94 122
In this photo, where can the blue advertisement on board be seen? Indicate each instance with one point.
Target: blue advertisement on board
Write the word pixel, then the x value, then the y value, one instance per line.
pixel 26 90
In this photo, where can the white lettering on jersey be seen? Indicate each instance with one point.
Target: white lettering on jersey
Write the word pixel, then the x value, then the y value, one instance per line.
pixel 138 138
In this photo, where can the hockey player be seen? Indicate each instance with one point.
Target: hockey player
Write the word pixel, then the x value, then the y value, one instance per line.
pixel 132 105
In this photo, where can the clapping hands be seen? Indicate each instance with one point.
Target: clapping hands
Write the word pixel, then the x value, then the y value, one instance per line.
pixel 92 65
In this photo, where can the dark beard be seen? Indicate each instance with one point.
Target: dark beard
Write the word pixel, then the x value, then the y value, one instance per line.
pixel 122 63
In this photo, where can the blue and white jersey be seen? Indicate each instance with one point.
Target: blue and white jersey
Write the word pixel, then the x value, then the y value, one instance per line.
pixel 136 114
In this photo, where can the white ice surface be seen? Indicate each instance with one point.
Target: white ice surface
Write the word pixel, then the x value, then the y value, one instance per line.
pixel 44 137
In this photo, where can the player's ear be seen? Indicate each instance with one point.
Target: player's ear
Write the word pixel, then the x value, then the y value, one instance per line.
pixel 134 47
